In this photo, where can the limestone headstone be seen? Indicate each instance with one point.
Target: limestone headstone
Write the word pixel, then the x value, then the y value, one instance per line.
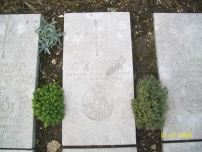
pixel 18 75
pixel 98 80
pixel 179 56
pixel 182 147
pixel 128 149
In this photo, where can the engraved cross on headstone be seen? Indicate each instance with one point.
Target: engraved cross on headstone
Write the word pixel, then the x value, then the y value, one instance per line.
pixel 4 22
pixel 97 52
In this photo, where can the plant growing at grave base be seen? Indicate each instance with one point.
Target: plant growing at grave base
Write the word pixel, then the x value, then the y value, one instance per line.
pixel 150 105
pixel 48 35
pixel 48 104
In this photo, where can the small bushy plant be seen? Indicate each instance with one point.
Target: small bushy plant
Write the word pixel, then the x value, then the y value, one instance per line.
pixel 150 105
pixel 48 35
pixel 48 104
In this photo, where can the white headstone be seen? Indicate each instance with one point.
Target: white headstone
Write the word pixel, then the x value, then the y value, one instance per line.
pixel 131 149
pixel 182 147
pixel 179 56
pixel 18 76
pixel 98 80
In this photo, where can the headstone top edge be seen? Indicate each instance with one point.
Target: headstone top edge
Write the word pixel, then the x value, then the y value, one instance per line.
pixel 176 14
pixel 19 14
pixel 66 14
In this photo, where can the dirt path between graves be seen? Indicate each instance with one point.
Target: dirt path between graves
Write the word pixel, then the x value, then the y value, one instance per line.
pixel 144 57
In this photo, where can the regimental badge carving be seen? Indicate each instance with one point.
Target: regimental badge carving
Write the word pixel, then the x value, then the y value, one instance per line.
pixel 23 100
pixel 191 96
pixel 95 103
pixel 5 107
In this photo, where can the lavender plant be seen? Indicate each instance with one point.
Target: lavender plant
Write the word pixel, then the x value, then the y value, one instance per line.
pixel 48 35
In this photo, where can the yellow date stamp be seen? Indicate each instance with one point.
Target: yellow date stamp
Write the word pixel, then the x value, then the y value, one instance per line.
pixel 181 135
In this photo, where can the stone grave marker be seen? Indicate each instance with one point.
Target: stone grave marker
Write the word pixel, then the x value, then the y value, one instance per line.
pixel 179 56
pixel 98 80
pixel 18 76
pixel 182 147
pixel 128 149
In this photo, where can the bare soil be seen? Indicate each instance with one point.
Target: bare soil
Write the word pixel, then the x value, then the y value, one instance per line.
pixel 142 32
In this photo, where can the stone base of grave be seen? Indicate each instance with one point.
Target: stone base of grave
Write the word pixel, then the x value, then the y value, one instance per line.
pixel 17 150
pixel 182 147
pixel 131 149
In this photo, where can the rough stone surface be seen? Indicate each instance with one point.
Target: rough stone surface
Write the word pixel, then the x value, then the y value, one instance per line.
pixel 153 147
pixel 178 45
pixel 132 149
pixel 98 80
pixel 53 146
pixel 182 147
pixel 18 75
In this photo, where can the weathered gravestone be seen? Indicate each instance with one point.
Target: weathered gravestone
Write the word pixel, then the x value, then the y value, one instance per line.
pixel 18 75
pixel 179 55
pixel 98 80
pixel 182 147
pixel 131 149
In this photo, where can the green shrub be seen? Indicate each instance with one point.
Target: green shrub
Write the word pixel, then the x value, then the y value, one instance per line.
pixel 150 105
pixel 48 35
pixel 48 104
